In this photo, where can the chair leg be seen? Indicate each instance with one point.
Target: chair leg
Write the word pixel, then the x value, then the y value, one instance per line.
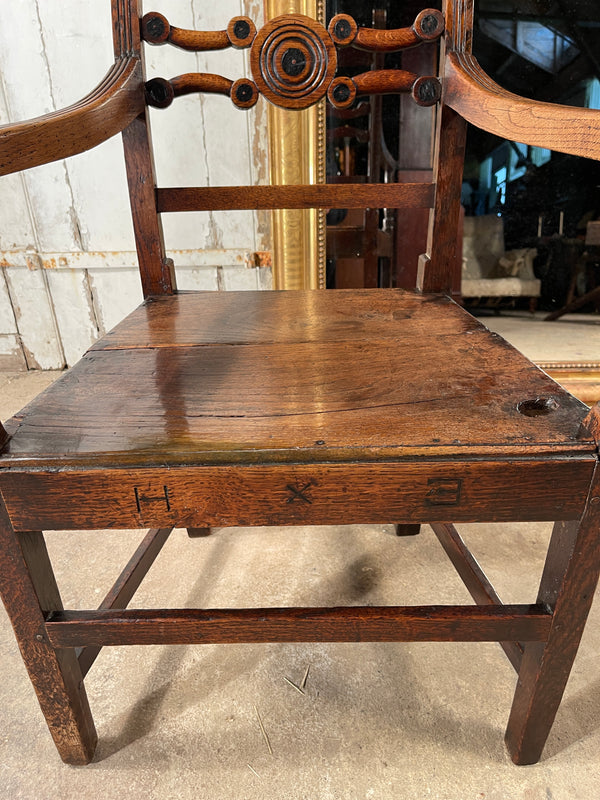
pixel 408 530
pixel 197 533
pixel 29 591
pixel 567 587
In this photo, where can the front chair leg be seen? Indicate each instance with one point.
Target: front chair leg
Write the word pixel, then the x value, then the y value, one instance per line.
pixel 567 587
pixel 29 590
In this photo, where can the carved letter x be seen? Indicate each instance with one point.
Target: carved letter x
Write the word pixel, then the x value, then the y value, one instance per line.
pixel 298 493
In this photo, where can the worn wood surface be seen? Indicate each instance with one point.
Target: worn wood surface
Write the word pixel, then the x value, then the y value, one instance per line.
pixel 348 624
pixel 438 270
pixel 212 410
pixel 591 424
pixel 296 376
pixel 295 493
pixel 156 270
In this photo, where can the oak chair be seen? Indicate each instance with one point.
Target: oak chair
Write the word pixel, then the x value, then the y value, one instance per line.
pixel 280 408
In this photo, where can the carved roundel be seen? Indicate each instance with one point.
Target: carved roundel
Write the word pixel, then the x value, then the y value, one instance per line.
pixel 293 61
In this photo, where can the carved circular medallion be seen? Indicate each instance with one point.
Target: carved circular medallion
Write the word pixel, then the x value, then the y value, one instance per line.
pixel 293 61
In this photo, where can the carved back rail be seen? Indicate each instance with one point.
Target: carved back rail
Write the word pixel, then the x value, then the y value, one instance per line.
pixel 293 60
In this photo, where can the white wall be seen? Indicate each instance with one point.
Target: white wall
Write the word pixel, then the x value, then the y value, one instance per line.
pixel 67 253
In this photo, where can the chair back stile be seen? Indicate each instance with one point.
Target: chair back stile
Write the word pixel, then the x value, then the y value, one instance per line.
pixel 156 270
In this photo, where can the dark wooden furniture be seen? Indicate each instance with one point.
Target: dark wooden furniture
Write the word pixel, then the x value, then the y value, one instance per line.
pixel 361 244
pixel 203 410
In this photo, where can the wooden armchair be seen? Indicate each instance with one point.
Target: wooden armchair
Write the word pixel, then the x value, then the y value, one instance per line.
pixel 280 408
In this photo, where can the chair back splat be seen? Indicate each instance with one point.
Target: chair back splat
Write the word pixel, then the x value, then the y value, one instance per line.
pixel 203 410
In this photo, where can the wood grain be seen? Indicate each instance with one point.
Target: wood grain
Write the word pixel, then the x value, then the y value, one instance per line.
pixel 295 493
pixel 350 624
pixel 567 588
pixel 481 101
pixel 474 578
pixel 428 26
pixel 296 376
pixel 156 270
pixel 438 269
pixel 29 591
pixel 359 195
pixel 127 584
pixel 212 410
pixel 105 112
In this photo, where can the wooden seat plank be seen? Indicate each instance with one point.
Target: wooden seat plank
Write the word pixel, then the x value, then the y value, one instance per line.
pixel 330 387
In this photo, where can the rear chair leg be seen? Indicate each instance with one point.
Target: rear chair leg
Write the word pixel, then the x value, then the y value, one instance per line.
pixel 197 533
pixel 407 530
pixel 567 587
pixel 28 588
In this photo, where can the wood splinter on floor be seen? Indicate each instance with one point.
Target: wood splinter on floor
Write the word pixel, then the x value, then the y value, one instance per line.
pixel 291 683
pixel 299 688
pixel 251 768
pixel 264 733
pixel 305 678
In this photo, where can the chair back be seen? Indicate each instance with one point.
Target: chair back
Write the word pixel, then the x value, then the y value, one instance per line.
pixel 293 63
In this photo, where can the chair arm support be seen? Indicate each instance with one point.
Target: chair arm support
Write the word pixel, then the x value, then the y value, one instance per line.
pixel 112 106
pixel 476 97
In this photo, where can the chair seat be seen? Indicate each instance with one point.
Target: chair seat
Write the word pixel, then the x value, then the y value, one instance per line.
pixel 262 395
pixel 222 377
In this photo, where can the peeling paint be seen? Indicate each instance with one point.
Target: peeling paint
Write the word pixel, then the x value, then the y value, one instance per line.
pixel 33 262
pixel 262 258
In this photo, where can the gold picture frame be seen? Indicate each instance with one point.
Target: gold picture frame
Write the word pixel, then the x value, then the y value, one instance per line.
pixel 581 378
pixel 297 156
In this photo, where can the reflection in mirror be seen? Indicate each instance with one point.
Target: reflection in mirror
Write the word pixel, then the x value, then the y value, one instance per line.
pixel 379 139
pixel 537 210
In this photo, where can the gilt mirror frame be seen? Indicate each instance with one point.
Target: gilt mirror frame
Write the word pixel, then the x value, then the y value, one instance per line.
pixel 298 157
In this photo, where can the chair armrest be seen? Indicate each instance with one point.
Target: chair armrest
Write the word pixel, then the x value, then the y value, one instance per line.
pixel 476 97
pixel 115 102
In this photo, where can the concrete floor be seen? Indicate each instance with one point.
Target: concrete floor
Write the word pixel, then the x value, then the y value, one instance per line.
pixel 385 721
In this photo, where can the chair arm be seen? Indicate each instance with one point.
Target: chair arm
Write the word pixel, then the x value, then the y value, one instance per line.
pixel 115 102
pixel 476 97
